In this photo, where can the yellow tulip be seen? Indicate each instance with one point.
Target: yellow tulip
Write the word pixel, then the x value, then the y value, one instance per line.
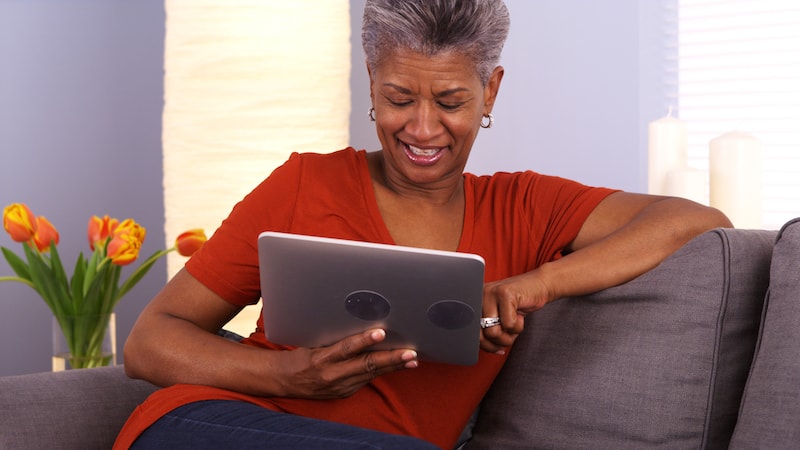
pixel 126 241
pixel 45 234
pixel 123 249
pixel 19 222
pixel 129 226
pixel 190 241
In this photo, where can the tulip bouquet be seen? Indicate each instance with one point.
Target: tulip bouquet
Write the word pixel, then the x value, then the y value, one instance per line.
pixel 83 302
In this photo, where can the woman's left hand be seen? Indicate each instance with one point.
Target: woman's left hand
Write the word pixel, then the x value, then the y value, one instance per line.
pixel 510 300
pixel 606 252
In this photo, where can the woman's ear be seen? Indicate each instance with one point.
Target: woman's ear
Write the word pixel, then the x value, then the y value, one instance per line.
pixel 371 82
pixel 492 87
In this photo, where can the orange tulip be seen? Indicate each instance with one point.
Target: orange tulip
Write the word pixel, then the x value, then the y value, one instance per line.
pixel 123 249
pixel 19 222
pixel 190 241
pixel 45 234
pixel 100 229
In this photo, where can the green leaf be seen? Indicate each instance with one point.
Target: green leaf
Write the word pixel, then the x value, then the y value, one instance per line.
pixel 91 270
pixel 78 278
pixel 140 272
pixel 43 280
pixel 59 273
pixel 17 264
pixel 95 291
pixel 111 297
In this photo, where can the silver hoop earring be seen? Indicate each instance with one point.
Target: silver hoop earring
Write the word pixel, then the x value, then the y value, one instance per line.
pixel 490 123
pixel 371 114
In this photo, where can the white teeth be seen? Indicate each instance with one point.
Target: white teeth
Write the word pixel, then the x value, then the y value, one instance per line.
pixel 423 151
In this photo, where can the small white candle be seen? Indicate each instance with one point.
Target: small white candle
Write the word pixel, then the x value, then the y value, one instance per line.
pixel 666 151
pixel 735 178
pixel 688 183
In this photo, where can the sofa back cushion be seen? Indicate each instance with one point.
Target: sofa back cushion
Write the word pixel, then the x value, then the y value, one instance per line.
pixel 77 409
pixel 770 412
pixel 660 361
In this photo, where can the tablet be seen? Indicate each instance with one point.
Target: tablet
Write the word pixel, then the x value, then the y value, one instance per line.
pixel 316 291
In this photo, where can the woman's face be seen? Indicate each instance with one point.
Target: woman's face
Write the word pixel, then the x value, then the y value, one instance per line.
pixel 428 111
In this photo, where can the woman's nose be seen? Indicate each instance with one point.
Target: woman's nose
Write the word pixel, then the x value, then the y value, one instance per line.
pixel 424 123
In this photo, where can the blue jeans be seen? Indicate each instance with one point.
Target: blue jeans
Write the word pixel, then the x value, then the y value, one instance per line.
pixel 216 424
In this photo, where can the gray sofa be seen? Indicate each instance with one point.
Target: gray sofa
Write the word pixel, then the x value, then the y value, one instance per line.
pixel 701 352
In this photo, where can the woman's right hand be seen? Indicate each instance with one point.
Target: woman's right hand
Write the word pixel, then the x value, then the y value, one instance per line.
pixel 339 370
pixel 175 341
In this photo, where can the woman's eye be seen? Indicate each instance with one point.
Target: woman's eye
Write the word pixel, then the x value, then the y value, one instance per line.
pixel 400 102
pixel 450 106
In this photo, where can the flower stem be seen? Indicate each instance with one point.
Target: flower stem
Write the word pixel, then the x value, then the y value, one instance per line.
pixel 21 280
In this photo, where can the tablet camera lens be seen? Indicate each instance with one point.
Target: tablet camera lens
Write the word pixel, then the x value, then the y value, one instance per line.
pixel 451 314
pixel 367 305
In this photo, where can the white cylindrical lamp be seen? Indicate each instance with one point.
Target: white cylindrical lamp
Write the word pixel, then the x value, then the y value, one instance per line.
pixel 247 82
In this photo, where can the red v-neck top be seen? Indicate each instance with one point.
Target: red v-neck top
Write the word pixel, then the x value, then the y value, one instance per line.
pixel 515 221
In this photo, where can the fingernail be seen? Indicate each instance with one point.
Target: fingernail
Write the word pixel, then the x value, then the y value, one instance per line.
pixel 378 334
pixel 409 355
pixel 500 352
pixel 412 364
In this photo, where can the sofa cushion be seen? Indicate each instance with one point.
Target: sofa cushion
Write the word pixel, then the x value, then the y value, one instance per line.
pixel 770 412
pixel 82 408
pixel 660 361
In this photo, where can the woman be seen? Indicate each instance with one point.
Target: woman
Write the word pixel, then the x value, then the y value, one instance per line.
pixel 434 79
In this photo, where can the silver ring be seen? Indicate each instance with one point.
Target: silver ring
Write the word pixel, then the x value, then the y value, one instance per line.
pixel 488 322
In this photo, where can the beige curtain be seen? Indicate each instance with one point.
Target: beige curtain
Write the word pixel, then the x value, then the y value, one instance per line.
pixel 246 83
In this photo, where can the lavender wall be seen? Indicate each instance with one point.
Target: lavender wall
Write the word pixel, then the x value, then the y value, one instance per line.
pixel 80 135
pixel 81 87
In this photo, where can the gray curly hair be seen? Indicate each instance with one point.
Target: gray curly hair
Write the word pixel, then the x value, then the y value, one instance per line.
pixel 476 28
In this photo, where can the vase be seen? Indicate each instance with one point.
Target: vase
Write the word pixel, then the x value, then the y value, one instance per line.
pixel 84 341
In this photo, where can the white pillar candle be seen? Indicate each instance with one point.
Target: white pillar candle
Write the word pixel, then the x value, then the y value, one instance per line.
pixel 735 178
pixel 666 151
pixel 688 183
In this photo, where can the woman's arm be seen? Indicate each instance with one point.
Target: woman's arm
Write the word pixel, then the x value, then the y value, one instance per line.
pixel 625 236
pixel 175 341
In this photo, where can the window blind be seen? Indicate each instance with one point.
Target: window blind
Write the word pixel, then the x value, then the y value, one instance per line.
pixel 738 69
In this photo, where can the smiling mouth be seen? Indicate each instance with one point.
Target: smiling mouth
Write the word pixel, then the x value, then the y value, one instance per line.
pixel 424 151
pixel 423 156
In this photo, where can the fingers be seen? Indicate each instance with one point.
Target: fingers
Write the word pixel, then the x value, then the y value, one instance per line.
pixel 358 353
pixel 343 368
pixel 496 339
pixel 374 364
pixel 501 300
pixel 354 345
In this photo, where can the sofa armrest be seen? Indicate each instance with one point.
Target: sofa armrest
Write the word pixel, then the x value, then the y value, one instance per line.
pixel 770 413
pixel 658 362
pixel 82 408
